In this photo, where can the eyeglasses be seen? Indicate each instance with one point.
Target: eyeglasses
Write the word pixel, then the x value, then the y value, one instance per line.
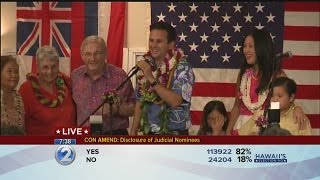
pixel 96 54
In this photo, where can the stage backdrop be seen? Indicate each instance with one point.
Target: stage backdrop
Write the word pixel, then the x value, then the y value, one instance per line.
pixel 211 34
pixel 64 25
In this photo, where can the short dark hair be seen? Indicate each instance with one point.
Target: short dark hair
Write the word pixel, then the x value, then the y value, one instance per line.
pixel 172 34
pixel 6 59
pixel 289 84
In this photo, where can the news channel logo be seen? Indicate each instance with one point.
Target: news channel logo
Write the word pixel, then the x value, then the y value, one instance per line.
pixel 65 155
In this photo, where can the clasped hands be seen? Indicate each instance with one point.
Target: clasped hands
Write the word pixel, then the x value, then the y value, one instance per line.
pixel 110 98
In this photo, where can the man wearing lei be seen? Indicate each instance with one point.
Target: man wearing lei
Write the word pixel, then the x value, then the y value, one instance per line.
pixel 163 92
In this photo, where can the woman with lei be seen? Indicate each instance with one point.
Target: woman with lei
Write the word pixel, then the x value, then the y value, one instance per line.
pixel 253 81
pixel 46 96
pixel 12 111
pixel 163 92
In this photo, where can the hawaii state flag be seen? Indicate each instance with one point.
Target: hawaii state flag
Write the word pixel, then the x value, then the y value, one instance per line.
pixel 64 25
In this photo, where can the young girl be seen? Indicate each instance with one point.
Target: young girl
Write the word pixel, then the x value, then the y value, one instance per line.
pixel 214 119
pixel 284 91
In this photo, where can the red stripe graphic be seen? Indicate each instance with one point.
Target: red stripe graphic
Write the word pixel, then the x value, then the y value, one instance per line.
pixel 208 140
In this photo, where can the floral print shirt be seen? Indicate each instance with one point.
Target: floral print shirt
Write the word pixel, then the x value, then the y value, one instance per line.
pixel 179 117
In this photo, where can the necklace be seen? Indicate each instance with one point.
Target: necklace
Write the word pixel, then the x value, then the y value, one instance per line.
pixel 12 119
pixel 245 92
pixel 164 75
pixel 61 86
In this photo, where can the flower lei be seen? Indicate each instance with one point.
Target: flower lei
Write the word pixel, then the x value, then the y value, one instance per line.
pixel 245 92
pixel 17 100
pixel 61 86
pixel 111 97
pixel 164 75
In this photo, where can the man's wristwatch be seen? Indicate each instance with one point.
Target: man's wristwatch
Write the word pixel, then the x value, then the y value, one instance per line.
pixel 155 82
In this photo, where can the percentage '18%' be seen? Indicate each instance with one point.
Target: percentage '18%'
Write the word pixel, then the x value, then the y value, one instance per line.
pixel 244 159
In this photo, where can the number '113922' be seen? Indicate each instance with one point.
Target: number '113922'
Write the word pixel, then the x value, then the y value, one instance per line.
pixel 219 151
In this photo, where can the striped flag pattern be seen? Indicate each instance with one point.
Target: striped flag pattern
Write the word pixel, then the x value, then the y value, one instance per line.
pixel 64 25
pixel 211 34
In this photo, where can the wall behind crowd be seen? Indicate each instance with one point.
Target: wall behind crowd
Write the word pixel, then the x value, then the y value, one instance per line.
pixel 136 37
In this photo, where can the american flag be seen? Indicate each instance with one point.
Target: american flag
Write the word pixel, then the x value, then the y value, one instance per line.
pixel 64 25
pixel 212 34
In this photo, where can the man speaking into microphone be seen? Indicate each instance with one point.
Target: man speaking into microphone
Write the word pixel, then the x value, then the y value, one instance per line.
pixel 94 80
pixel 163 95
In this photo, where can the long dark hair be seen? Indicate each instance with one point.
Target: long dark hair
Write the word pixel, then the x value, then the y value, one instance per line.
pixel 208 108
pixel 265 58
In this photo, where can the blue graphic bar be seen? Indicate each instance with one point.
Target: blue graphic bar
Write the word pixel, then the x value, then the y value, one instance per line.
pixel 65 141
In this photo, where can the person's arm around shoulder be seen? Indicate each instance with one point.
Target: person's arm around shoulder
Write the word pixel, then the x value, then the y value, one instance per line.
pixel 298 115
pixel 67 80
pixel 234 114
pixel 307 131
pixel 235 111
pixel 23 92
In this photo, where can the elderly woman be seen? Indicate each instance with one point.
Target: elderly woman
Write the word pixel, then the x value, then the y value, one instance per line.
pixel 12 112
pixel 47 97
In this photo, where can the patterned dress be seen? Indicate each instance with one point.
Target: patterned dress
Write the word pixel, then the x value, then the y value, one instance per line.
pixel 251 102
pixel 12 120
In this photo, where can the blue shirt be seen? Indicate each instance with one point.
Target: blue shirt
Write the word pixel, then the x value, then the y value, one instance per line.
pixel 179 117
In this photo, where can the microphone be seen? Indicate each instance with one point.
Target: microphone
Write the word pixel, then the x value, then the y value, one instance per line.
pixel 111 96
pixel 149 59
pixel 136 68
pixel 287 54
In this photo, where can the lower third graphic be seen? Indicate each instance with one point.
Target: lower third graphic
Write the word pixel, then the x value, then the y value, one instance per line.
pixel 65 155
pixel 270 158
